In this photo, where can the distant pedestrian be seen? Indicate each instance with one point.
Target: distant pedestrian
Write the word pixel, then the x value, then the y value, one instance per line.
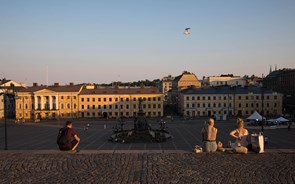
pixel 67 138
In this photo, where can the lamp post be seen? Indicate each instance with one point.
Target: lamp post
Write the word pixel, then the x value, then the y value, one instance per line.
pixel 262 105
pixel 5 123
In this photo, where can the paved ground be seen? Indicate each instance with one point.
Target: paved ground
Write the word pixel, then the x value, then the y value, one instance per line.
pixel 92 167
pixel 186 134
pixel 33 157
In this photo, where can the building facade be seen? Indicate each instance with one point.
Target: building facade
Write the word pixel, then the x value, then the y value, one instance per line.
pixel 229 101
pixel 283 81
pixel 119 102
pixel 166 84
pixel 48 102
pixel 55 102
pixel 225 80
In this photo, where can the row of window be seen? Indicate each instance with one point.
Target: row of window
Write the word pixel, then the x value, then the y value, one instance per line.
pixel 111 114
pixel 208 105
pixel 47 106
pixel 144 106
pixel 267 97
pixel 192 105
pixel 121 99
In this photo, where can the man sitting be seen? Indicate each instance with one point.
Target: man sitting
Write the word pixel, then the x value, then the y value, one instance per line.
pixel 68 144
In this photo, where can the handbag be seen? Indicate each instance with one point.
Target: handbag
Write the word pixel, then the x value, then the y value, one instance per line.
pixel 257 141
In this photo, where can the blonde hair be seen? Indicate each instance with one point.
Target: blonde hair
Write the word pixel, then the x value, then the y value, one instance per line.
pixel 210 121
pixel 240 122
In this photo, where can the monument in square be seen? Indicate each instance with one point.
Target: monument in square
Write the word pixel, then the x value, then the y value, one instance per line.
pixel 141 132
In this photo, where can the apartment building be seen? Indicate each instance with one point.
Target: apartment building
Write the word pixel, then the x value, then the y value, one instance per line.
pixel 228 100
pixel 119 102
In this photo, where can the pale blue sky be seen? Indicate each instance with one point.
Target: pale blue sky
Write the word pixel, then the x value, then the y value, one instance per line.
pixel 104 41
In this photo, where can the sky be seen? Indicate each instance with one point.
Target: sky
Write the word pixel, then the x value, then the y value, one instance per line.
pixel 97 41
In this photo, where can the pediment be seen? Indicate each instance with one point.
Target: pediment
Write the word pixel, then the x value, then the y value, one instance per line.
pixel 44 91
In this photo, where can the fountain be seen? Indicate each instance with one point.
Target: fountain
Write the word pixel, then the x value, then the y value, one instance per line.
pixel 142 131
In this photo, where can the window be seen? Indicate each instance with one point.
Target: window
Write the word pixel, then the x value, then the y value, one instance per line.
pixel 68 97
pixel 149 106
pixel 224 98
pixel 159 106
pixel 68 106
pixel 275 97
pixel 62 97
pixel 240 105
pixel 104 99
pixel 275 104
pixel 75 106
pixel 187 105
pixel 93 106
pixel 257 97
pixel 99 99
pixel 193 105
pixel 110 106
pixel 134 99
pixel 121 106
pixel 110 99
pixel 93 99
pixel 82 106
pixel 198 98
pixel 99 107
pixel 116 106
pixel 104 106
pixel 116 99
pixel 187 98
pixel 26 106
pixel 74 97
pixel 239 97
pixel 88 106
pixel 154 99
pixel 127 106
pixel 204 98
pixel 93 114
pixel 127 99
pixel 193 98
pixel 62 106
pixel 224 104
pixel 246 97
pixel 209 97
pixel 214 97
pixel 159 98
pixel 149 99
pixel 209 105
pixel 267 97
pixel 88 99
pixel 122 99
pixel 134 106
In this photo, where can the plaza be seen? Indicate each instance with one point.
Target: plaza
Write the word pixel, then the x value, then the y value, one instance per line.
pixel 186 134
pixel 33 157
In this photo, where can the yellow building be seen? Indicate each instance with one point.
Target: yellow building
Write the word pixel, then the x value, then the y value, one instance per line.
pixel 242 101
pixel 119 102
pixel 42 102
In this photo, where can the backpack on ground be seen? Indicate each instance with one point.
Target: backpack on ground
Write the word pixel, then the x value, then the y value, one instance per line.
pixel 62 137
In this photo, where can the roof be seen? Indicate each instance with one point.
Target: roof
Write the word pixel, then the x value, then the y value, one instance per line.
pixel 99 91
pixel 227 90
pixel 278 73
pixel 69 88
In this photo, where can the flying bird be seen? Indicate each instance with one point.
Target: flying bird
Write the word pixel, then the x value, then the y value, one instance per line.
pixel 186 31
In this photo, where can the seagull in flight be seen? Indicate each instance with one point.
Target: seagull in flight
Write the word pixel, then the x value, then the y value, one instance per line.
pixel 186 31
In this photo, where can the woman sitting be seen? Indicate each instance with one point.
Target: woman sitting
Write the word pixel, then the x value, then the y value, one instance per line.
pixel 241 135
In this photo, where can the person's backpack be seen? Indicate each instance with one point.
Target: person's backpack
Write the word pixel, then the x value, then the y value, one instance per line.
pixel 62 137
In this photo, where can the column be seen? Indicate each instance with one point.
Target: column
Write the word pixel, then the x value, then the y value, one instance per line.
pixel 56 102
pixel 50 102
pixel 42 102
pixel 35 102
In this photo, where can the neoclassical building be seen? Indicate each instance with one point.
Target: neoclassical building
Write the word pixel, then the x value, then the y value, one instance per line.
pixel 228 100
pixel 41 102
pixel 86 101
pixel 119 102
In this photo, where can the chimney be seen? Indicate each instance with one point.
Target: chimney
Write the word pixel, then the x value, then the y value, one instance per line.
pixel 71 84
pixel 56 84
pixel 35 84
